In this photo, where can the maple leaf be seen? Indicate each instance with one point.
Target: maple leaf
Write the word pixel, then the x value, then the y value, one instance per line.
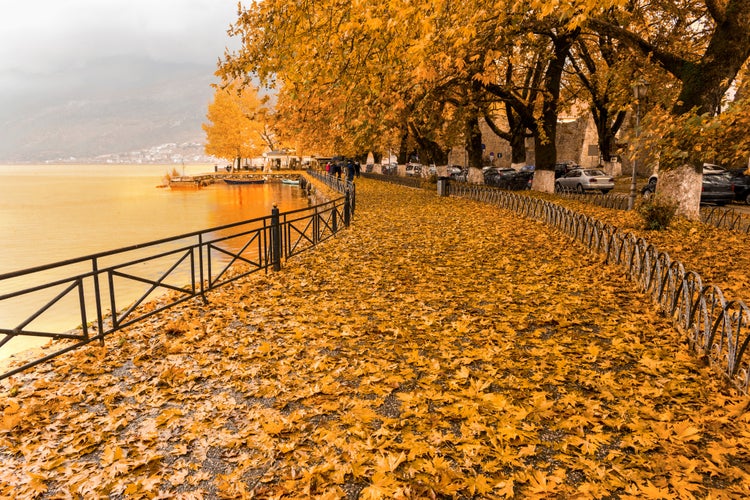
pixel 650 491
pixel 685 431
pixel 479 484
pixel 12 415
pixel 37 483
pixel 381 485
pixel 112 454
pixel 389 462
pixel 505 488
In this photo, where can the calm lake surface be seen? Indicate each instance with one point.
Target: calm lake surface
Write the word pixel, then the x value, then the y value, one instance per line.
pixel 51 213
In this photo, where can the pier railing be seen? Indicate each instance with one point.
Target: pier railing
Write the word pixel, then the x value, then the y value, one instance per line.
pixel 108 291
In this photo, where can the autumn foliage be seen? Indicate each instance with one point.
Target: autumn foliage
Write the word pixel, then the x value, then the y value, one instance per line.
pixel 237 125
pixel 438 348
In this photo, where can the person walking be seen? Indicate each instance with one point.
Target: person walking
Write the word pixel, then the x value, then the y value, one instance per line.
pixel 350 170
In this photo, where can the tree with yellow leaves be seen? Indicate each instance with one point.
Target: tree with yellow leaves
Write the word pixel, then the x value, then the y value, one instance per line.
pixel 406 73
pixel 238 124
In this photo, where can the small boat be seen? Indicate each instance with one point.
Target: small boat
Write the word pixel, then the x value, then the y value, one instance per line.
pixel 244 181
pixel 292 182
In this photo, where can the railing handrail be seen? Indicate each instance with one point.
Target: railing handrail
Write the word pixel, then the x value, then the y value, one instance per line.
pixel 161 241
pixel 269 240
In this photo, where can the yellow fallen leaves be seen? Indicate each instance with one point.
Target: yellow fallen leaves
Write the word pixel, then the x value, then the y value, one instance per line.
pixel 475 355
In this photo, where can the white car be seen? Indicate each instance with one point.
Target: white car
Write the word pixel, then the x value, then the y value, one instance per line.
pixel 582 180
pixel 413 169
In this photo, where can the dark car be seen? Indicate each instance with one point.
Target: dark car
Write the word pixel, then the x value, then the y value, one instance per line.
pixel 741 183
pixel 717 188
pixel 507 178
pixel 564 167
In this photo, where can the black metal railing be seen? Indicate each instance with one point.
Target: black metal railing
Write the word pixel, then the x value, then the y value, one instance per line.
pixel 726 218
pixel 716 328
pixel 111 290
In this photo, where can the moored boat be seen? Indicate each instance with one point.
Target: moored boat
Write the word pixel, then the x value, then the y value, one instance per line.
pixel 292 182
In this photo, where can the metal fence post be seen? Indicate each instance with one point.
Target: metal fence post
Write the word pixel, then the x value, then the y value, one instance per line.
pixel 347 208
pixel 275 239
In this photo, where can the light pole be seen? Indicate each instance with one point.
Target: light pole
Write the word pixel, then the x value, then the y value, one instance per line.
pixel 640 90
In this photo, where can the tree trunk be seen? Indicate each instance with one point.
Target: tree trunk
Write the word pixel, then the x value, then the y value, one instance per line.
pixel 518 148
pixel 544 140
pixel 516 135
pixel 682 186
pixel 705 83
pixel 403 147
pixel 474 141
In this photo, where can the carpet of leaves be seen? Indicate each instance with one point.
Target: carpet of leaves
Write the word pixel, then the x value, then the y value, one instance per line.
pixel 439 348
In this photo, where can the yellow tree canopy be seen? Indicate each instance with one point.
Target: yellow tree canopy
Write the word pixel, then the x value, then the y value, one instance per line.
pixel 351 74
pixel 237 125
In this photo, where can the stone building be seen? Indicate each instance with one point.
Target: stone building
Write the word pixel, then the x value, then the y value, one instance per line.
pixel 577 141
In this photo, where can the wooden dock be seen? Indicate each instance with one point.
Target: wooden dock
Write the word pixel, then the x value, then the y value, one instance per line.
pixel 203 180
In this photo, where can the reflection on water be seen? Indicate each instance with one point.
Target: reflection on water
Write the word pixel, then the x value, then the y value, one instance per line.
pixel 53 213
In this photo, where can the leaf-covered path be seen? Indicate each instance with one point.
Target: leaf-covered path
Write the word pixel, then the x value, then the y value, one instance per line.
pixel 438 348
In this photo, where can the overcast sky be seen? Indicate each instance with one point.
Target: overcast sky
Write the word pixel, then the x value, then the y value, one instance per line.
pixel 43 42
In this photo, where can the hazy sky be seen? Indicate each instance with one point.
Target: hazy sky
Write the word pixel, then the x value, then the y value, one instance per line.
pixel 48 41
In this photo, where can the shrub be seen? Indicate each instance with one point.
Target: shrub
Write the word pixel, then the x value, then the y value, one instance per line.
pixel 657 212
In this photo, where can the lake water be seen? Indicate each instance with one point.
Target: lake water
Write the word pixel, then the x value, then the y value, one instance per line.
pixel 51 213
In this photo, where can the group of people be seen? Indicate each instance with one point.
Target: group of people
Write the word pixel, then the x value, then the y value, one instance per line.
pixel 337 168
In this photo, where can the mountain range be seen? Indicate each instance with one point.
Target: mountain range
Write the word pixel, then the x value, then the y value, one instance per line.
pixel 111 106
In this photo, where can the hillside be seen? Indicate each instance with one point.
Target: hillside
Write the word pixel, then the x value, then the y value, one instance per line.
pixel 116 106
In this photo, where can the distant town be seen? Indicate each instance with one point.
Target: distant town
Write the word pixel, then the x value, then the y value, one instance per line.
pixel 186 152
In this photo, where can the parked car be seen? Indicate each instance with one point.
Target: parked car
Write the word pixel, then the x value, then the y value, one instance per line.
pixel 717 187
pixel 413 169
pixel 498 177
pixel 389 169
pixel 585 179
pixel 741 185
pixel 507 178
pixel 457 173
pixel 564 167
pixel 711 168
pixel 708 168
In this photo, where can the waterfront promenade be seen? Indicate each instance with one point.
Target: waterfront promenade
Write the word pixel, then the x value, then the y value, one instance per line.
pixel 437 348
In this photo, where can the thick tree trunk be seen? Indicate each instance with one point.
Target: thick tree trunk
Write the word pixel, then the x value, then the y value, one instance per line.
pixel 682 186
pixel 606 130
pixel 403 147
pixel 544 140
pixel 705 83
pixel 474 141
pixel 518 147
